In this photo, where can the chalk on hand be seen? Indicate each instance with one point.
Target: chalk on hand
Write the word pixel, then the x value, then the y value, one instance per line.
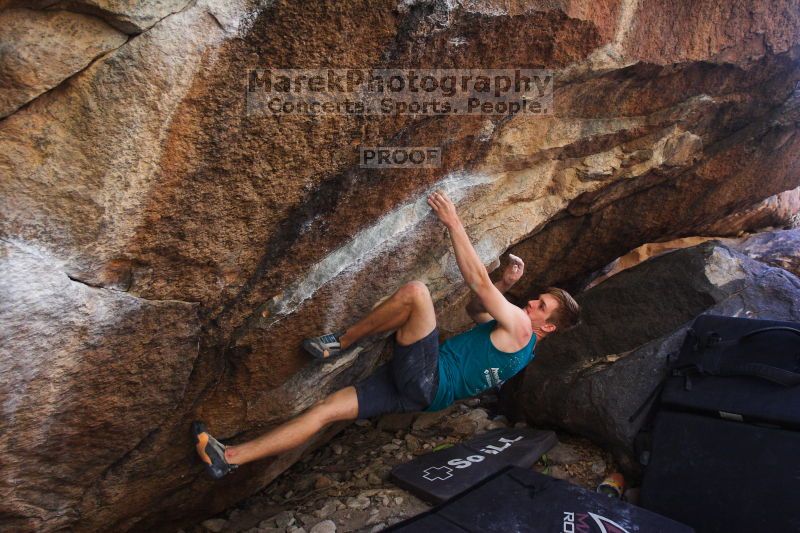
pixel 515 258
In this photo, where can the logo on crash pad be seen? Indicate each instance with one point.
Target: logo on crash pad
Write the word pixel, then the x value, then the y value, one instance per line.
pixel 438 473
pixel 579 523
pixel 441 473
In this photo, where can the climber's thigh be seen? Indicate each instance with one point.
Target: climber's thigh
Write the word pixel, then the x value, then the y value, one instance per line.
pixel 415 369
pixel 341 405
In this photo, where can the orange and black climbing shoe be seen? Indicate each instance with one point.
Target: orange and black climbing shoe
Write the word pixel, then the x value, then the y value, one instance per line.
pixel 211 452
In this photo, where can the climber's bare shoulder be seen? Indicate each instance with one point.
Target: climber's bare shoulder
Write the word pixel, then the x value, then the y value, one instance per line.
pixel 511 341
pixel 513 330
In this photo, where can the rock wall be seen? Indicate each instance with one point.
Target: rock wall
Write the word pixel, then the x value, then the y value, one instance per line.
pixel 165 252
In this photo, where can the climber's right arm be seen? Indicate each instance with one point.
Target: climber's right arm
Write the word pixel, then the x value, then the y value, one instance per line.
pixel 509 316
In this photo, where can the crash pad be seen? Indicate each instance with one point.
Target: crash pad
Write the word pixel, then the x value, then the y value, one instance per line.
pixel 438 476
pixel 519 499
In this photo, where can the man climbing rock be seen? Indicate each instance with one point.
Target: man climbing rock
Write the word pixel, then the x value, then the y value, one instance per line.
pixel 421 374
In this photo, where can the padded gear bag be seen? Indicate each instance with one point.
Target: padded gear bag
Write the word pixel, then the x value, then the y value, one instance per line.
pixel 724 443
pixel 739 369
pixel 719 475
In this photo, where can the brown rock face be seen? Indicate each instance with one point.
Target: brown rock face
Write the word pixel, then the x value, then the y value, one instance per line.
pixel 40 49
pixel 211 240
pixel 88 376
pixel 129 16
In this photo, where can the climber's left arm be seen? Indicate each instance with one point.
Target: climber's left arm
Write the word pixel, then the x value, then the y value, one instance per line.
pixel 511 274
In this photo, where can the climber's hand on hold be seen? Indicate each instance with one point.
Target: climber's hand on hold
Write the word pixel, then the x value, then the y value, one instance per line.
pixel 513 271
pixel 444 208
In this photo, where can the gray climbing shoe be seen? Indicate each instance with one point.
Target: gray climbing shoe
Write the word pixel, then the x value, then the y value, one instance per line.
pixel 324 347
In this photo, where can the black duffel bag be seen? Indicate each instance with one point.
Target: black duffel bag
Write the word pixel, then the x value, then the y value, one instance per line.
pixel 724 450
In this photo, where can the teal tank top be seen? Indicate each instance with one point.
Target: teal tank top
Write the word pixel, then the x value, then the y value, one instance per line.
pixel 469 364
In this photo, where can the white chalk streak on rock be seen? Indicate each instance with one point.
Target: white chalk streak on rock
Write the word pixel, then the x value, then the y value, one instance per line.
pixel 378 238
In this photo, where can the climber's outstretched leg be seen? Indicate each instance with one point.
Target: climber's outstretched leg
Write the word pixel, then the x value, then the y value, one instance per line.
pixel 341 405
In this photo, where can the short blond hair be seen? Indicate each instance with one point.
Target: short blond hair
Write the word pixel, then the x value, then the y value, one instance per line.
pixel 568 313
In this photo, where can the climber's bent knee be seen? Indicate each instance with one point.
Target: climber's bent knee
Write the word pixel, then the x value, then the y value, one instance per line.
pixel 416 291
pixel 422 318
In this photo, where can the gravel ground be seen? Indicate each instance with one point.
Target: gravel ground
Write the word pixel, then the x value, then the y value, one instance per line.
pixel 343 486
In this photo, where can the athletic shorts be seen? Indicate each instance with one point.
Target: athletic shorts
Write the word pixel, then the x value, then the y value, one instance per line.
pixel 406 383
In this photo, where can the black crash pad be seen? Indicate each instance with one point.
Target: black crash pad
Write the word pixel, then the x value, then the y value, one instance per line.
pixel 438 476
pixel 519 499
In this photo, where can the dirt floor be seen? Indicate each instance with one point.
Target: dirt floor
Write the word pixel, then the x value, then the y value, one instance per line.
pixel 343 486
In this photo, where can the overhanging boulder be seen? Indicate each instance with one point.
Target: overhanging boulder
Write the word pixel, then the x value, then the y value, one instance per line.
pixel 143 176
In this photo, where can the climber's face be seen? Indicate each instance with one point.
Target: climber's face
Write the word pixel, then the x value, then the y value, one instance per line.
pixel 539 311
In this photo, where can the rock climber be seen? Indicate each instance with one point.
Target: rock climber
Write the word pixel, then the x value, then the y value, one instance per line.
pixel 422 375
